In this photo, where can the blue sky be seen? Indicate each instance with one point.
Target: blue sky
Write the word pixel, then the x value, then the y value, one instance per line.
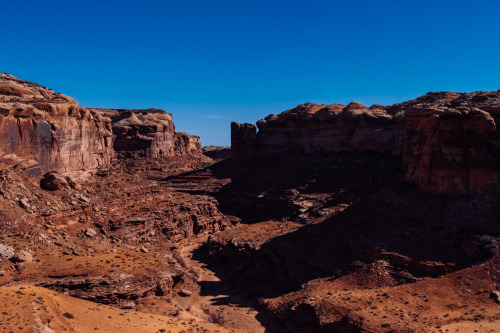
pixel 212 62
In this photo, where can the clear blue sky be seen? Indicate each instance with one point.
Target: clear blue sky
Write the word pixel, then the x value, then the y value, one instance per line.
pixel 210 62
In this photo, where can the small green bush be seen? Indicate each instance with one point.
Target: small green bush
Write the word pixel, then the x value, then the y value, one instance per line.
pixel 68 315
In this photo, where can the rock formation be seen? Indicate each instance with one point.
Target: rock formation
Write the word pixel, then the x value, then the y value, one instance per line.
pixel 311 127
pixel 243 140
pixel 148 133
pixel 217 152
pixel 453 144
pixel 49 131
pixel 44 131
pixel 449 142
pixel 185 144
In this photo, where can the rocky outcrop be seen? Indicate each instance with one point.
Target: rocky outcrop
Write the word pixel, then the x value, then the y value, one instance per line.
pixel 217 152
pixel 449 142
pixel 49 129
pixel 311 127
pixel 243 140
pixel 44 131
pixel 148 133
pixel 186 144
pixel 123 290
pixel 453 144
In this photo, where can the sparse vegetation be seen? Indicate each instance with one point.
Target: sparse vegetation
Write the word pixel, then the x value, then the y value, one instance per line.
pixel 68 315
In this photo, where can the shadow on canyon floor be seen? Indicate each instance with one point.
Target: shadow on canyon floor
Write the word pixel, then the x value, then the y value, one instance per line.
pixel 327 216
pixel 282 186
pixel 342 244
pixel 360 211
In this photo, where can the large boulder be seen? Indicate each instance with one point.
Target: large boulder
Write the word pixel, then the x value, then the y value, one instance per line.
pixel 7 252
pixel 52 181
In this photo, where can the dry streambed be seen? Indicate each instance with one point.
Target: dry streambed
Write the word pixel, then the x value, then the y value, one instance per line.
pixel 217 302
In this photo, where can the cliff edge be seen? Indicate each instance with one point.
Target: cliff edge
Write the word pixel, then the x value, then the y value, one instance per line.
pixel 449 142
pixel 43 130
pixel 48 130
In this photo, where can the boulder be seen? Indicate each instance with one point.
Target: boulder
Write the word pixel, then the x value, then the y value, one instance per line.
pixel 24 203
pixel 7 252
pixel 495 295
pixel 52 181
pixel 90 233
pixel 184 293
pixel 23 256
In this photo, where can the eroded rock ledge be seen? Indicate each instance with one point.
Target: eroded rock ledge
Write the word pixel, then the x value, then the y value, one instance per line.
pixel 449 142
pixel 44 131
pixel 148 133
pixel 49 131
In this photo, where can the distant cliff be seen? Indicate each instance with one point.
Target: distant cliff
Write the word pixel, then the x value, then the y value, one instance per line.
pixel 148 133
pixel 449 142
pixel 312 127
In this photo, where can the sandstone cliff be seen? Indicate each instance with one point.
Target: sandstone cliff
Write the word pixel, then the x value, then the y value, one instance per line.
pixel 449 142
pixel 311 127
pixel 186 144
pixel 43 131
pixel 453 144
pixel 49 131
pixel 148 133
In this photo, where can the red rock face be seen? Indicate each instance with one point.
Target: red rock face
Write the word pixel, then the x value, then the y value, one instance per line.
pixel 185 144
pixel 148 133
pixel 454 148
pixel 243 140
pixel 311 127
pixel 448 141
pixel 51 128
pixel 49 131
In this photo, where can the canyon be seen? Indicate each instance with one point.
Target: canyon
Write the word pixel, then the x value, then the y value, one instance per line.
pixel 324 218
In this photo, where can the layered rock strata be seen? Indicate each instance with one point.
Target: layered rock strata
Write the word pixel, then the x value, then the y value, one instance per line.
pixel 311 127
pixel 49 131
pixel 44 131
pixel 453 144
pixel 217 152
pixel 449 142
pixel 186 144
pixel 148 133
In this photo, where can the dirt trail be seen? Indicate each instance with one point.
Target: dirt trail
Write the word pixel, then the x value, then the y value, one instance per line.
pixel 216 302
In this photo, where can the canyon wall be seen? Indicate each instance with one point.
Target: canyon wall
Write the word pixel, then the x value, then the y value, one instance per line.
pixel 448 142
pixel 311 127
pixel 453 143
pixel 148 133
pixel 44 130
pixel 186 144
